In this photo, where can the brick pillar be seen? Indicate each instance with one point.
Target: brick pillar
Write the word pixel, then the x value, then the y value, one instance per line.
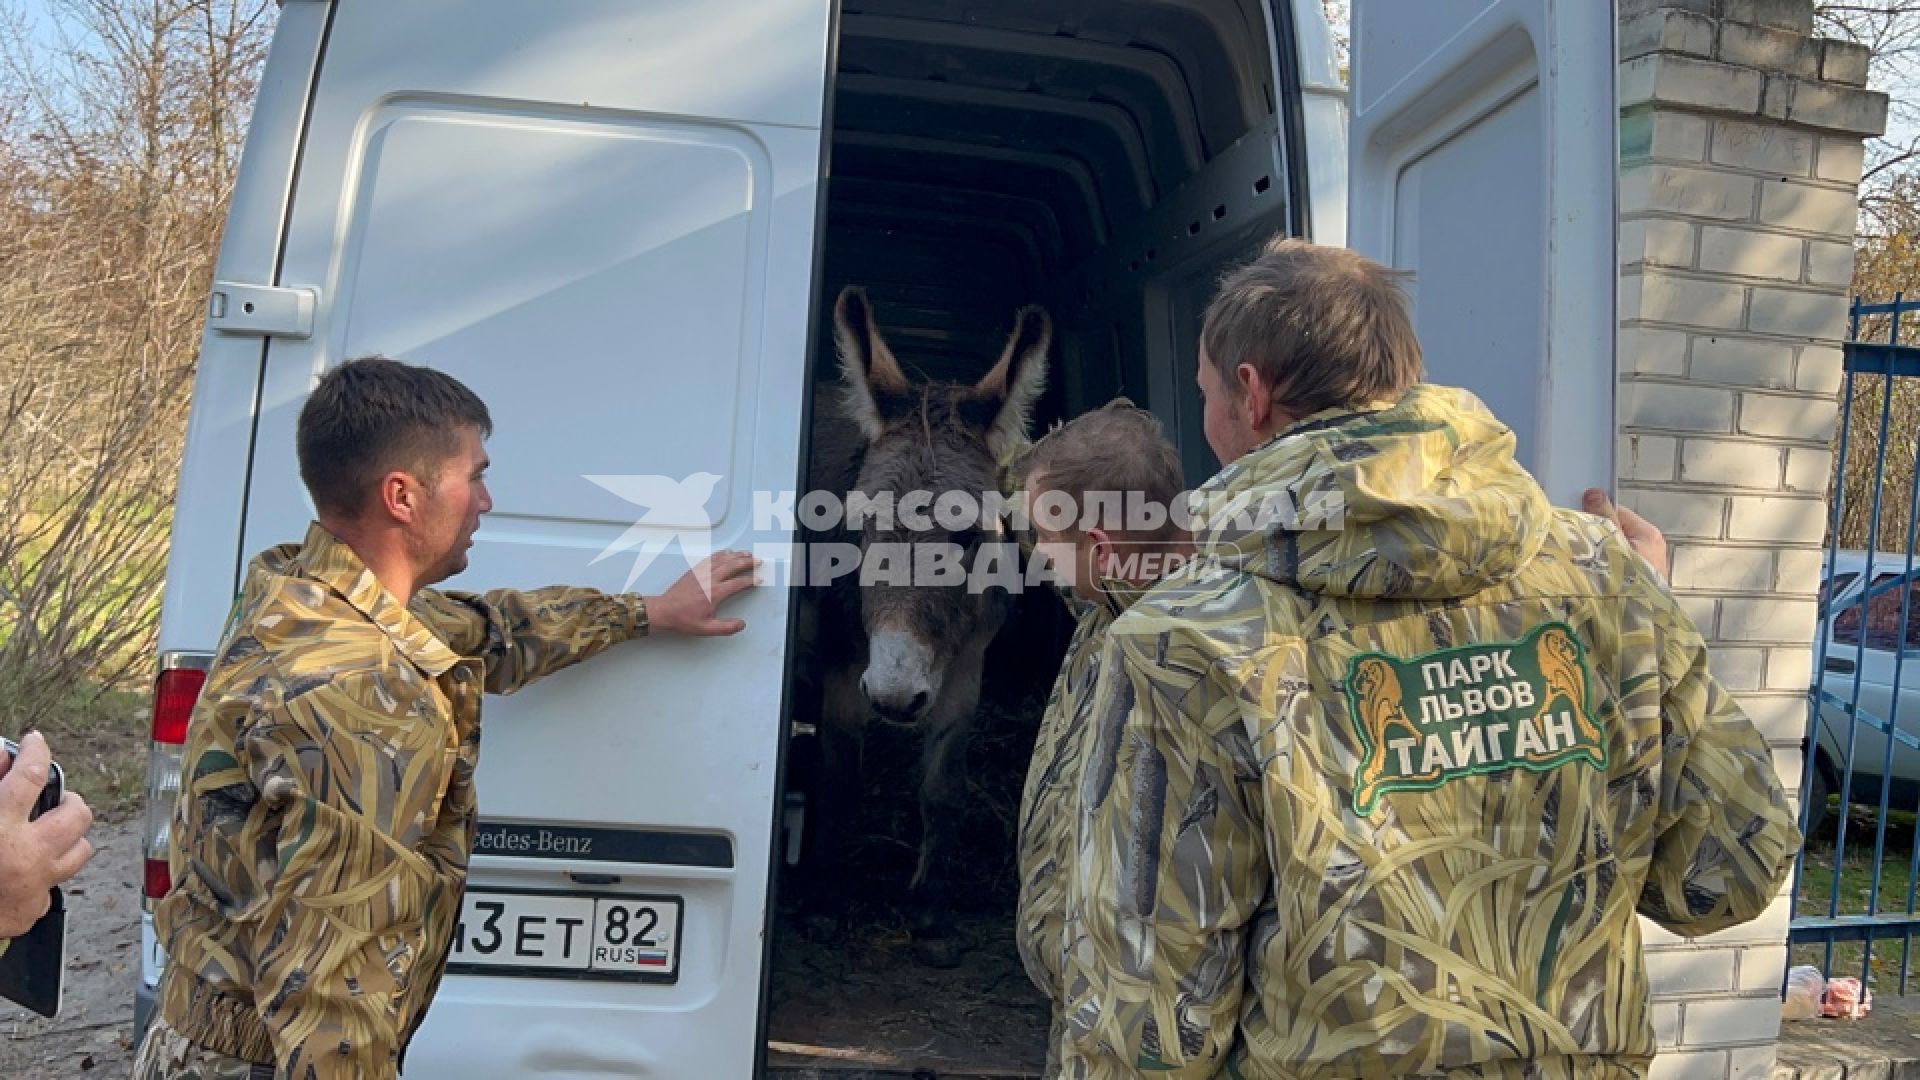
pixel 1741 140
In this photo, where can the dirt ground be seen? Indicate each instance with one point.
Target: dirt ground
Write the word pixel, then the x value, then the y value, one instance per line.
pixel 93 1034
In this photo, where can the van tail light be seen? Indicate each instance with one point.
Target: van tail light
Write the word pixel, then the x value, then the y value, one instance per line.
pixel 174 693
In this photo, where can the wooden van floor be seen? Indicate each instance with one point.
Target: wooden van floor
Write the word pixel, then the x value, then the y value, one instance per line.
pixel 861 1005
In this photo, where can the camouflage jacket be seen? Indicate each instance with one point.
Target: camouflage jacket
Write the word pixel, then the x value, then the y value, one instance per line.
pixel 1379 789
pixel 326 815
pixel 1046 825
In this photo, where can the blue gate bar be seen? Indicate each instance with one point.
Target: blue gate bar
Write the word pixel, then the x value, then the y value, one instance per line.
pixel 1891 365
pixel 1809 756
pixel 1884 359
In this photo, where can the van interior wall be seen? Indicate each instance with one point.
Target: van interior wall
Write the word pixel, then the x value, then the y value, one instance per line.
pixel 1099 158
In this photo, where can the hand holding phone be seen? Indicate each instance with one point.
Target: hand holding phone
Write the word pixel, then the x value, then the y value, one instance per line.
pixel 55 784
pixel 43 832
pixel 42 843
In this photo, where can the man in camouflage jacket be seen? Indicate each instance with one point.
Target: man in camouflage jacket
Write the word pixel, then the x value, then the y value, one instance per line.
pixel 1101 458
pixel 327 808
pixel 1382 786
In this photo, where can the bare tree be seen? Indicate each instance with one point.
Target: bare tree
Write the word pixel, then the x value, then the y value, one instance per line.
pixel 1882 413
pixel 118 148
pixel 1882 421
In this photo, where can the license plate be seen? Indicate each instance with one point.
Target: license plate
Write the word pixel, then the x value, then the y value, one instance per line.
pixel 577 935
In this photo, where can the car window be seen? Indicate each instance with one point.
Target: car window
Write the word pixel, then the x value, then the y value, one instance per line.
pixel 1836 584
pixel 1881 615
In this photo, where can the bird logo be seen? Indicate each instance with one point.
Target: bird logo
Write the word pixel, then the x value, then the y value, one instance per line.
pixel 672 512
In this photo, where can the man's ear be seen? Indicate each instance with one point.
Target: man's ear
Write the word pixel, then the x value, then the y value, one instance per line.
pixel 1105 550
pixel 1256 396
pixel 399 498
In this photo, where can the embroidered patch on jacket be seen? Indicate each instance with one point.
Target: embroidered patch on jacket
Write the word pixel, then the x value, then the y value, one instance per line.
pixel 1469 711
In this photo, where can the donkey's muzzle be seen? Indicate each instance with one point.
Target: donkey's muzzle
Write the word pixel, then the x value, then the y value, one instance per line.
pixel 900 680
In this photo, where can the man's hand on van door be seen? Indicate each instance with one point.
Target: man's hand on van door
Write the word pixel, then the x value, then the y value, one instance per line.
pixel 39 854
pixel 1646 540
pixel 691 605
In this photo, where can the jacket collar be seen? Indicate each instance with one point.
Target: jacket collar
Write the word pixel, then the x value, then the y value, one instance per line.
pixel 328 560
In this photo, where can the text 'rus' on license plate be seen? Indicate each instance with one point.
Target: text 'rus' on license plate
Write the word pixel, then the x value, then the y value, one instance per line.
pixel 592 936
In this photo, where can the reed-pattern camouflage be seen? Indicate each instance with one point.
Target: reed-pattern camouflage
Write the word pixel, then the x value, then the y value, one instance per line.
pixel 1386 800
pixel 327 807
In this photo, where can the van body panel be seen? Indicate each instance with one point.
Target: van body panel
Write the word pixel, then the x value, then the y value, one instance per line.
pixel 601 218
pixel 204 552
pixel 1483 160
pixel 203 559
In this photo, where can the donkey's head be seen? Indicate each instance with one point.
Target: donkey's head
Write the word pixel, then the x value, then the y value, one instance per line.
pixel 925 440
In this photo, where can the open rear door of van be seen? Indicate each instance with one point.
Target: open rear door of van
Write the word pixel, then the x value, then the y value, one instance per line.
pixel 599 215
pixel 1482 158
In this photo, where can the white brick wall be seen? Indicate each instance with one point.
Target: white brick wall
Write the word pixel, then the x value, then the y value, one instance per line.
pixel 1841 160
pixel 1764 146
pixel 1750 1062
pixel 1828 211
pixel 1734 360
pixel 1819 372
pixel 1658 352
pixel 1680 137
pixel 1729 463
pixel 1738 209
pixel 1649 457
pixel 1750 253
pixel 1829 264
pixel 1711 566
pixel 1690 1065
pixel 1728 1020
pixel 1779 718
pixel 1798 570
pixel 1789 416
pixel 1808 471
pixel 1780 519
pixel 1665 404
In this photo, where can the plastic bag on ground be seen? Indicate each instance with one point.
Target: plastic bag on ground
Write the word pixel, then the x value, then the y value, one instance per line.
pixel 1806 994
pixel 1846 998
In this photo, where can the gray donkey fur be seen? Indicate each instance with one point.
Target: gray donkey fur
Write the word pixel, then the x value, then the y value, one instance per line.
pixel 909 655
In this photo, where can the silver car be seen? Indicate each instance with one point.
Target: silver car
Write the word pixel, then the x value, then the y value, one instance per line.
pixel 1866 684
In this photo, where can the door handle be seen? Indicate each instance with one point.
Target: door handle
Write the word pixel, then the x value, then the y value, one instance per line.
pixel 1841 665
pixel 261 310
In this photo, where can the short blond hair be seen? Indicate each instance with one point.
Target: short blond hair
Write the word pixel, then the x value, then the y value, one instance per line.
pixel 1117 448
pixel 1327 327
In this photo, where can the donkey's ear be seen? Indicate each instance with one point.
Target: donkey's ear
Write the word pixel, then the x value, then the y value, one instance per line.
pixel 1016 382
pixel 867 366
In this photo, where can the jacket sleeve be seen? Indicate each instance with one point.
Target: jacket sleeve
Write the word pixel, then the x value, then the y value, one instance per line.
pixel 523 636
pixel 1170 875
pixel 345 777
pixel 1724 835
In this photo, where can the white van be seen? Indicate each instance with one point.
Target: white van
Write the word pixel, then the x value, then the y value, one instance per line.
pixel 624 224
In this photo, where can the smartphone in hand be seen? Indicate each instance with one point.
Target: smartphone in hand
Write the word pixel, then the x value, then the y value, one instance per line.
pixel 33 967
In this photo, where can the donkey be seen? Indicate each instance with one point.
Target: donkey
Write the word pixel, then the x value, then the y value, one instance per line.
pixel 909 655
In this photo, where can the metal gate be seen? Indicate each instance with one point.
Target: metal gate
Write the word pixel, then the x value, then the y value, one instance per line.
pixel 1855 881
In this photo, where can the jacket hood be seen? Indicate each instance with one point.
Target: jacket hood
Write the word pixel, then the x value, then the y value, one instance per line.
pixel 1416 499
